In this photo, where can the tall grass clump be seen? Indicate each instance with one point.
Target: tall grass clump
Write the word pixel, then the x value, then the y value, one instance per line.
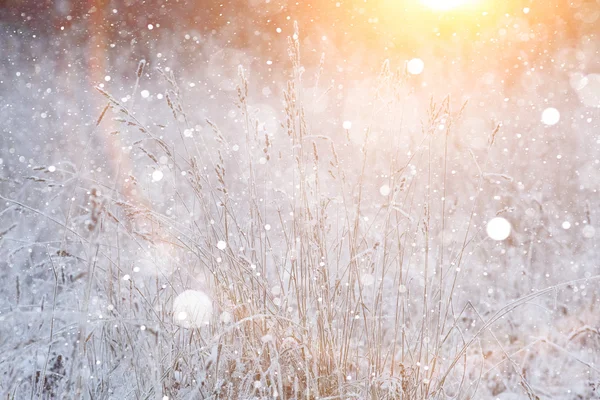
pixel 323 258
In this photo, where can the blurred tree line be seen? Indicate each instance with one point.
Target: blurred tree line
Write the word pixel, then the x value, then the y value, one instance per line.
pixel 502 33
pixel 347 22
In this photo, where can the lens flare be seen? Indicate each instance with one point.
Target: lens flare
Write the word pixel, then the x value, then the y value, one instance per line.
pixel 445 5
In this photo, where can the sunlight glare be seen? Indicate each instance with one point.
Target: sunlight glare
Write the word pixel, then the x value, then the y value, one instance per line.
pixel 445 5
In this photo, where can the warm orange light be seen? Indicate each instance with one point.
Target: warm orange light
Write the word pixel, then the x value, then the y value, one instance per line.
pixel 445 5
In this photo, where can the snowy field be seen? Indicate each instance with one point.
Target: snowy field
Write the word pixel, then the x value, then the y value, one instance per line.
pixel 280 200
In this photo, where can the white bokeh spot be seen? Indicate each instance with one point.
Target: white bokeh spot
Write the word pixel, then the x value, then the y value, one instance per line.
pixel 588 232
pixel 415 66
pixel 550 116
pixel 385 190
pixel 192 309
pixel 157 175
pixel 498 228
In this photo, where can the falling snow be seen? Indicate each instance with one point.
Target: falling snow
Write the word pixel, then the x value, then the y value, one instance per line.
pixel 498 228
pixel 550 116
pixel 157 175
pixel 272 199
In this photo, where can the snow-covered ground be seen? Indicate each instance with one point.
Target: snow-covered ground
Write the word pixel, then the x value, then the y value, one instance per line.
pixel 354 205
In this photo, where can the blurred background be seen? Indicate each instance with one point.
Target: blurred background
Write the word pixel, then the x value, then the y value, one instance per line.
pixel 511 60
